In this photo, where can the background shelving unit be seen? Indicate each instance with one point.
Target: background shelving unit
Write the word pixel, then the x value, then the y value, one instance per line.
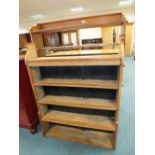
pixel 78 96
pixel 23 40
pixel 66 34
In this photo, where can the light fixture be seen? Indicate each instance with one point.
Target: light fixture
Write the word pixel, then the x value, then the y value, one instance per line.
pixel 83 21
pixel 125 2
pixel 76 9
pixel 38 16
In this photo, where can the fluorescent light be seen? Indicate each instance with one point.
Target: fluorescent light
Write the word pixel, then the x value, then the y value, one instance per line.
pixel 125 2
pixel 77 9
pixel 38 16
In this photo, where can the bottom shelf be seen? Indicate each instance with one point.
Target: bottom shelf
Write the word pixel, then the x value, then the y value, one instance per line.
pixel 90 137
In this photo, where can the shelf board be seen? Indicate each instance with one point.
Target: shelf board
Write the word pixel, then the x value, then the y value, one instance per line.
pixel 81 120
pixel 84 60
pixel 96 138
pixel 90 103
pixel 84 83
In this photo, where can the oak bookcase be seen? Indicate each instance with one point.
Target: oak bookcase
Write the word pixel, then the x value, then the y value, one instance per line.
pixel 78 91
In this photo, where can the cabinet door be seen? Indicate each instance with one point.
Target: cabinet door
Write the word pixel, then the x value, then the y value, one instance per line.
pixel 69 38
pixel 129 40
pixel 65 38
pixel 54 39
pixel 74 38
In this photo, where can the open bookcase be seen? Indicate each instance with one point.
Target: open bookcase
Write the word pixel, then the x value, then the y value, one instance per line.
pixel 78 95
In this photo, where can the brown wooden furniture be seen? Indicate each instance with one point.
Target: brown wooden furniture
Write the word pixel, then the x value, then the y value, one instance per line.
pixel 78 91
pixel 23 40
pixel 28 117
pixel 41 33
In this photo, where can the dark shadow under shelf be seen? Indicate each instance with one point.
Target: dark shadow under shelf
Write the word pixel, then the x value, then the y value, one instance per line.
pixel 81 92
pixel 80 72
pixel 82 111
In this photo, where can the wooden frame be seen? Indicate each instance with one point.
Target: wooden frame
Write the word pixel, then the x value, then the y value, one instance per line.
pixel 76 24
pixel 85 22
pixel 94 125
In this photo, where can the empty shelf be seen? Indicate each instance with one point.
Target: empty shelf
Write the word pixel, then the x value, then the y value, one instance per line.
pixel 96 138
pixel 91 103
pixel 85 83
pixel 81 120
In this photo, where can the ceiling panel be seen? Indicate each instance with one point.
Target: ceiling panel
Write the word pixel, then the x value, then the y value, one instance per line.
pixel 54 10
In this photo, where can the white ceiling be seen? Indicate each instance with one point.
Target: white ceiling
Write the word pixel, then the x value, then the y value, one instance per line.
pixel 54 10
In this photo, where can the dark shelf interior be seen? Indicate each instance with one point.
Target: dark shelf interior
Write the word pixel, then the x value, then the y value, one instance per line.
pixel 80 72
pixel 82 111
pixel 80 92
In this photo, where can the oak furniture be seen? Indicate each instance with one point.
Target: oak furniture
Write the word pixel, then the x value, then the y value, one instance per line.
pixel 23 40
pixel 51 34
pixel 78 91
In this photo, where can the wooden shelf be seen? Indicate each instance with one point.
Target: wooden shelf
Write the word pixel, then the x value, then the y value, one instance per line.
pixel 108 50
pixel 81 120
pixel 87 110
pixel 74 24
pixel 90 103
pixel 84 83
pixel 96 138
pixel 84 60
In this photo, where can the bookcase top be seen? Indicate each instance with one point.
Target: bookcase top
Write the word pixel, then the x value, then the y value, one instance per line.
pixel 77 23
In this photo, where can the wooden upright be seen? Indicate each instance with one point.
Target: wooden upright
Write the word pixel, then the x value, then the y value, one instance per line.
pixel 78 94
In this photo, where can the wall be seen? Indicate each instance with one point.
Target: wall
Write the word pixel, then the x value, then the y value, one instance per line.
pixel 27 23
pixel 107 37
pixel 129 40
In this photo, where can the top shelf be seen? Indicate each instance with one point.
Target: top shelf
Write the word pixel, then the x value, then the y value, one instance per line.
pixel 85 22
pixel 78 60
pixel 103 51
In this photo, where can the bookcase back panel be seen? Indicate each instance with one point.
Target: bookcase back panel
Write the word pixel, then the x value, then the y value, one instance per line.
pixel 80 72
pixel 80 92
pixel 82 111
pixel 75 127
